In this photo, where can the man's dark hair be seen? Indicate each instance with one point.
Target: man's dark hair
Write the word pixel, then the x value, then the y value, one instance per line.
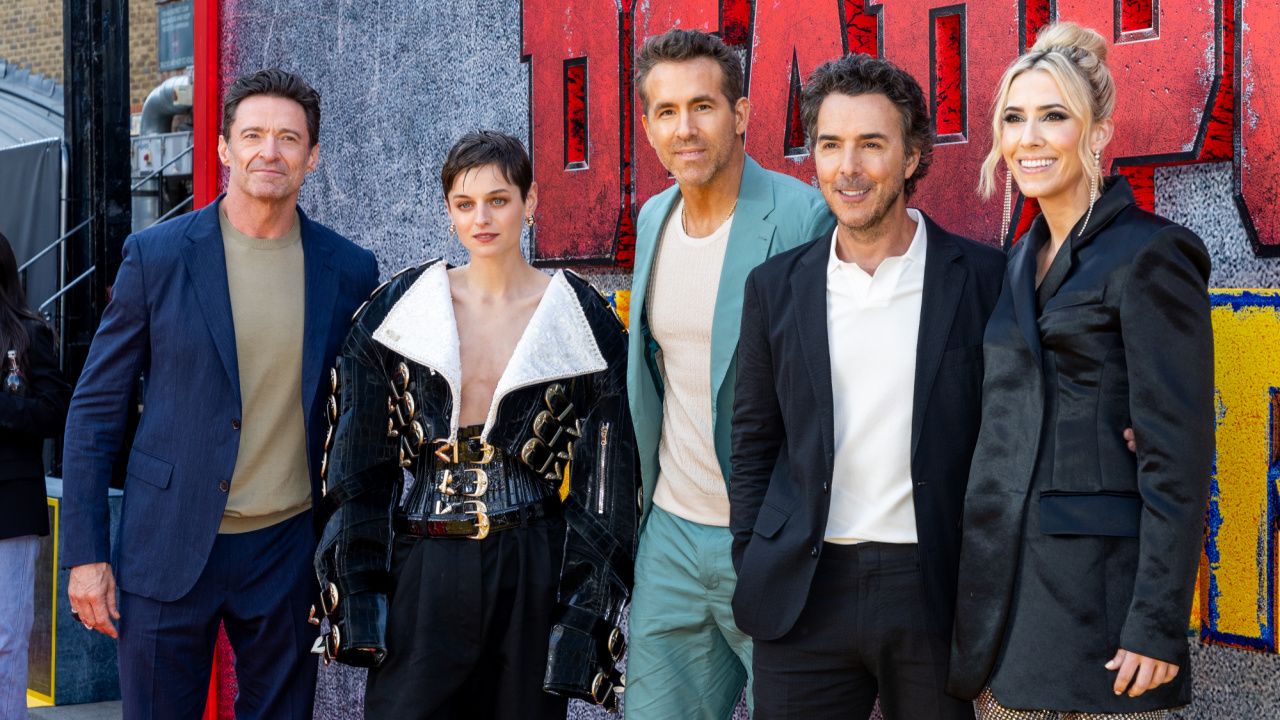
pixel 680 45
pixel 488 147
pixel 275 83
pixel 858 74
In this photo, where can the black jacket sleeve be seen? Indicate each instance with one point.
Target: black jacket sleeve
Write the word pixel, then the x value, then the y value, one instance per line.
pixel 600 536
pixel 362 478
pixel 41 412
pixel 1168 341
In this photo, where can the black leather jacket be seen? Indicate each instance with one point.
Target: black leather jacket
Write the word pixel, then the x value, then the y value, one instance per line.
pixel 404 343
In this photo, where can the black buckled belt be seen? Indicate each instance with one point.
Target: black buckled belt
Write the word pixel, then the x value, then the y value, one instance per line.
pixel 474 521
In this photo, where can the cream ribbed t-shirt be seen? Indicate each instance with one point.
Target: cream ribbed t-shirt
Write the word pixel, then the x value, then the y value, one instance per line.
pixel 682 302
pixel 266 280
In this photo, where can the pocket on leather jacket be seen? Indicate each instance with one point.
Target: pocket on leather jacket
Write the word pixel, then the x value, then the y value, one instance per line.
pixel 149 469
pixel 1113 514
pixel 769 521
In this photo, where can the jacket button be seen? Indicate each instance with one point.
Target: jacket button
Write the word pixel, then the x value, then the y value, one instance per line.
pixel 235 424
pixel 826 487
pixel 814 551
pixel 224 486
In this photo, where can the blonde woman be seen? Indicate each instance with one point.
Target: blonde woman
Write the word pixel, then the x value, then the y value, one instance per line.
pixel 1078 558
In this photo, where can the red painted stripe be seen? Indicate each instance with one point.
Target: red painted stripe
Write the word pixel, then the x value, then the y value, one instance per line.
pixel 208 103
pixel 948 74
pixel 1142 178
pixel 861 28
pixel 735 22
pixel 1038 14
pixel 1135 15
pixel 575 113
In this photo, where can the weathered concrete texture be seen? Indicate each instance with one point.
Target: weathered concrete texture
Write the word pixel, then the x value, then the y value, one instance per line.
pixel 1200 197
pixel 1232 684
pixel 400 81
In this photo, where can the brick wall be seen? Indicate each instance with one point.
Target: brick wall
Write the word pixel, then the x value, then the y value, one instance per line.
pixel 31 34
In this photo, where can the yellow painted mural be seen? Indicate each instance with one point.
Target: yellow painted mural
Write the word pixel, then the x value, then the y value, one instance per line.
pixel 1236 603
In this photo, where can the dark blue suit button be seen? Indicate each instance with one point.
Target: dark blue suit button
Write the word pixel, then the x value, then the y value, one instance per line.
pixel 235 423
pixel 225 486
pixel 826 487
pixel 814 551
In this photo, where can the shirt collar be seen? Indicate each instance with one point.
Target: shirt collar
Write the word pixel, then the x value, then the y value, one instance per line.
pixel 915 251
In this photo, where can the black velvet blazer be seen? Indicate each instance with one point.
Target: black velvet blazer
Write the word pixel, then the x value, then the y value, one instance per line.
pixel 25 422
pixel 1072 546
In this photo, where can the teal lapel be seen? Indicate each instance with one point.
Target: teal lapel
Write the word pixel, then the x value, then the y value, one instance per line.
pixel 648 235
pixel 749 241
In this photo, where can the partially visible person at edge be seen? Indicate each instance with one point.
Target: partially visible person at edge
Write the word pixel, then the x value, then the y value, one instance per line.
pixel 233 312
pixel 1078 559
pixel 31 409
pixel 860 364
pixel 695 244
pixel 482 473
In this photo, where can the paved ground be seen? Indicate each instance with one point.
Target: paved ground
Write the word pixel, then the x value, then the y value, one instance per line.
pixel 91 711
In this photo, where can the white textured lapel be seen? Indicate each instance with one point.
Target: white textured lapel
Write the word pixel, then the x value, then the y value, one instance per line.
pixel 557 342
pixel 421 326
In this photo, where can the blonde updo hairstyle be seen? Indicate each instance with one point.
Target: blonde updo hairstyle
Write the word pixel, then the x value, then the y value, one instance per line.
pixel 1076 58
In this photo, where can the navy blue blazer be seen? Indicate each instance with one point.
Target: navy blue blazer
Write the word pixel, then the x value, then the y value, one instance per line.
pixel 170 316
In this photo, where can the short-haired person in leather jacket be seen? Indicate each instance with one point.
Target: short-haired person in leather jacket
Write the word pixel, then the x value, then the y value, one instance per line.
pixel 481 473
pixel 30 411
pixel 1078 559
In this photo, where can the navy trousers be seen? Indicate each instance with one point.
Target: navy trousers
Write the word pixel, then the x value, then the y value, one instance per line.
pixel 260 585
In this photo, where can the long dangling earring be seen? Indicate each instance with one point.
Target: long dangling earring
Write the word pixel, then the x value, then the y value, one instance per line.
pixel 1095 181
pixel 1008 204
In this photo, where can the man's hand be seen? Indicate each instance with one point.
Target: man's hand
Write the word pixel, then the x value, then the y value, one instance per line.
pixel 1145 673
pixel 92 590
pixel 1131 440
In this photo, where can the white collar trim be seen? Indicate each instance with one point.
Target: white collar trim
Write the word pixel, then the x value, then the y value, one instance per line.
pixel 557 342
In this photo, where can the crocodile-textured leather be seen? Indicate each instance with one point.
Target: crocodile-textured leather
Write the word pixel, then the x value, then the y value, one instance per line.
pixel 393 417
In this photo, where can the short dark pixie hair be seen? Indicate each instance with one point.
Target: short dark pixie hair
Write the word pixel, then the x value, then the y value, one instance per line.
pixel 680 45
pixel 275 83
pixel 488 147
pixel 858 74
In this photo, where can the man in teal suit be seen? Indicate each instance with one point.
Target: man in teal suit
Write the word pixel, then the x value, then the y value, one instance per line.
pixel 695 244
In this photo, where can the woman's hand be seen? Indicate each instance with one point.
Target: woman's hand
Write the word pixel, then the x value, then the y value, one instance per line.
pixel 1144 672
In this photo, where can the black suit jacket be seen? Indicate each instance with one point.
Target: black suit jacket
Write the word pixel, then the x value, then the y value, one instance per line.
pixel 1071 542
pixel 783 427
pixel 25 422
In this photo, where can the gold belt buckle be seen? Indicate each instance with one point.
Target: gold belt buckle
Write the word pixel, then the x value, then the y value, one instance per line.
pixel 482 518
pixel 482 482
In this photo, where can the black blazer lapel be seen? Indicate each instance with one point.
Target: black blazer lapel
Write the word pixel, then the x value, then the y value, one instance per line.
pixel 321 288
pixel 1022 284
pixel 207 265
pixel 944 280
pixel 809 293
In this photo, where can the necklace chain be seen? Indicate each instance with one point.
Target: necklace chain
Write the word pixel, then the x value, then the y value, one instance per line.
pixel 685 227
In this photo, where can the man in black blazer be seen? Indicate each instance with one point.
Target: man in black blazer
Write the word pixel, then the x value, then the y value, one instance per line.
pixel 858 403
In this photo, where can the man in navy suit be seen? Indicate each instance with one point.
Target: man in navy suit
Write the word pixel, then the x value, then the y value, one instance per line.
pixel 233 312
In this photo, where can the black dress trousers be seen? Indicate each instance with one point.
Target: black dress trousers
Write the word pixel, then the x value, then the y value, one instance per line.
pixel 862 633
pixel 468 626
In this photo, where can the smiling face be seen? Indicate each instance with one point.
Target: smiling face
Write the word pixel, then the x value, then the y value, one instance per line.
pixel 1040 140
pixel 690 123
pixel 861 159
pixel 268 151
pixel 487 211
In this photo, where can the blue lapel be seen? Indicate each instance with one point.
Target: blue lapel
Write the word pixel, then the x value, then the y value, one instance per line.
pixel 648 235
pixel 809 293
pixel 207 265
pixel 750 238
pixel 321 284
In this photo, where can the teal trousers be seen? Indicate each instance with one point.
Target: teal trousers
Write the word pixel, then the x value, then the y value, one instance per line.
pixel 688 659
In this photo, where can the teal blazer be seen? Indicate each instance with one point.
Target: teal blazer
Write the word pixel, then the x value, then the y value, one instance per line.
pixel 775 213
